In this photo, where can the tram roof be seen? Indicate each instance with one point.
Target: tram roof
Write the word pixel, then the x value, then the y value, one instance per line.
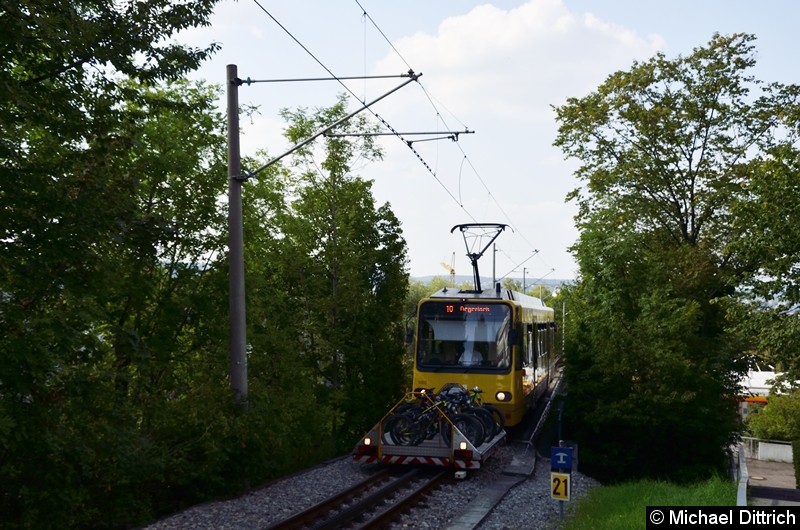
pixel 489 294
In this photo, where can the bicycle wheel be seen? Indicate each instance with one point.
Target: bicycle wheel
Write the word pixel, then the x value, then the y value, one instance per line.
pixel 497 414
pixel 490 427
pixel 430 428
pixel 470 426
pixel 402 430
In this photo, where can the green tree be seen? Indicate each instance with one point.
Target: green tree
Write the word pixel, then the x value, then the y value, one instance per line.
pixel 67 184
pixel 779 419
pixel 541 291
pixel 666 151
pixel 348 279
pixel 769 215
pixel 62 68
pixel 514 285
pixel 110 359
pixel 418 290
pixel 95 282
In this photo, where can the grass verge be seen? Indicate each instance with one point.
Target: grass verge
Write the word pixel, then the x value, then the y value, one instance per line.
pixel 622 506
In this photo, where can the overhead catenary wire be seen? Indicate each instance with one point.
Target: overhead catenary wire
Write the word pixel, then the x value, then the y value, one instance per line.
pixel 409 143
pixel 383 121
pixel 375 25
pixel 465 157
pixel 439 116
pixel 249 81
pixel 325 129
pixel 534 253
pixel 478 175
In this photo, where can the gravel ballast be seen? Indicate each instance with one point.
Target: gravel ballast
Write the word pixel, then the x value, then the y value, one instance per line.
pixel 526 506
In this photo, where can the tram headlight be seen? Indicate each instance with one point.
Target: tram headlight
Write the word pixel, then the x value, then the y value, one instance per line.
pixel 503 396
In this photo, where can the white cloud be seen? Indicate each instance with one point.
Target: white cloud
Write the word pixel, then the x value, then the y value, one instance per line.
pixel 495 71
pixel 517 62
pixel 500 71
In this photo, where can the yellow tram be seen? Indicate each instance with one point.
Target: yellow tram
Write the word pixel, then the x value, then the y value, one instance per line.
pixel 499 340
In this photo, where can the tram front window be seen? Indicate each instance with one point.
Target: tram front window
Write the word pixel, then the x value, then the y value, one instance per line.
pixel 464 334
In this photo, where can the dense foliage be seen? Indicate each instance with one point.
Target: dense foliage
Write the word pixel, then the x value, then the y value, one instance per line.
pixel 346 269
pixel 777 420
pixel 114 397
pixel 796 451
pixel 672 153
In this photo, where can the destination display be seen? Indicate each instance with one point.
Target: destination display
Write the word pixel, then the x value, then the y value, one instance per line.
pixel 457 309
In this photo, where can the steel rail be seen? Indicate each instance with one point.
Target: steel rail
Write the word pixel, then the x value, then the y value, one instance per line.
pixel 380 520
pixel 367 503
pixel 306 517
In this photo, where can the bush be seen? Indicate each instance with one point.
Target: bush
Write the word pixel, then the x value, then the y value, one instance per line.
pixel 778 420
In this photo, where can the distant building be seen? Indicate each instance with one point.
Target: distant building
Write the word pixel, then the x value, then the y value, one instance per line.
pixel 756 385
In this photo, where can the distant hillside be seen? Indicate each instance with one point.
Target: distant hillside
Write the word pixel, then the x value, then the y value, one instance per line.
pixel 550 283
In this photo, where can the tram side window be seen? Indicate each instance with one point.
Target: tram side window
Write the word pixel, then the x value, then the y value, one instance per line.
pixel 527 344
pixel 426 344
pixel 542 342
pixel 531 357
pixel 502 348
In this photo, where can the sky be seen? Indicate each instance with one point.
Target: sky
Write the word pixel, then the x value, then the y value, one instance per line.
pixel 493 71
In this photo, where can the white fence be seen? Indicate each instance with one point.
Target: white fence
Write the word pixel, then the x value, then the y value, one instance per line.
pixel 769 450
pixel 740 473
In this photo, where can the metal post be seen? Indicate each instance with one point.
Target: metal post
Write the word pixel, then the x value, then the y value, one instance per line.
pixel 494 260
pixel 523 280
pixel 238 353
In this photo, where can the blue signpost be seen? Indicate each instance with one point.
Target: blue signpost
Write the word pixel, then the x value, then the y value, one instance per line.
pixel 561 459
pixel 560 474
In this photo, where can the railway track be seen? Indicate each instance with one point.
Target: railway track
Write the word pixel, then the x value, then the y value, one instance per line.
pixel 533 429
pixel 378 500
pixel 372 503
